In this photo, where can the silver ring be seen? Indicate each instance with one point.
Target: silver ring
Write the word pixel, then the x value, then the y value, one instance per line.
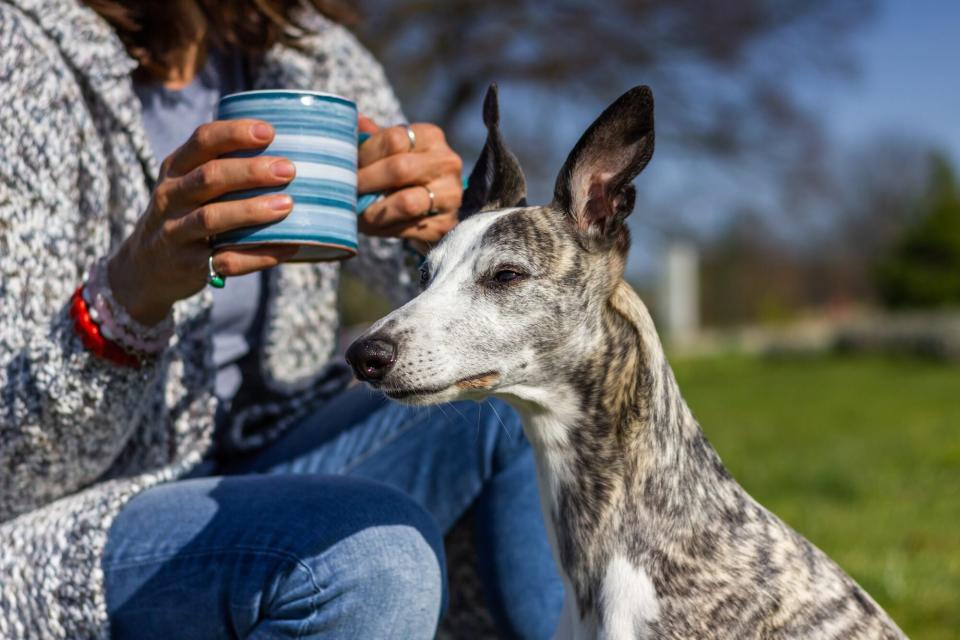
pixel 430 210
pixel 411 136
pixel 214 278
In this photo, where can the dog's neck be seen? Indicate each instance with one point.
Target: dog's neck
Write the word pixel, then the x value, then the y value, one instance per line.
pixel 622 464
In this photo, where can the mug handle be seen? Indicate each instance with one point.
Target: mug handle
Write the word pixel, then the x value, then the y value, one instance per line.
pixel 364 200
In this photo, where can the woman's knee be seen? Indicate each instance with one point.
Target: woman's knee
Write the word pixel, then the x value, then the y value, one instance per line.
pixel 390 572
pixel 331 510
pixel 289 553
pixel 384 573
pixel 363 504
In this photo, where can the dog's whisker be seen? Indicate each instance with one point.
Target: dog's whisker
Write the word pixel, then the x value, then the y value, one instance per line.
pixel 464 418
pixel 479 417
pixel 500 420
pixel 454 407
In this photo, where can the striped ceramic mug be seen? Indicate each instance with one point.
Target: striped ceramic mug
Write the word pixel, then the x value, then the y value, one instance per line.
pixel 318 133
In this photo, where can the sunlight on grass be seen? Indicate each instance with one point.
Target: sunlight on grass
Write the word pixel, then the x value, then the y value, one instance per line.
pixel 861 455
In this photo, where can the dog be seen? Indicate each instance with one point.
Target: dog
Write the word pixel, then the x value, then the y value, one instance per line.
pixel 652 535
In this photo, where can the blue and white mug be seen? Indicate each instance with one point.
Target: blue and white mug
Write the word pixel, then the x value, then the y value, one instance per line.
pixel 318 133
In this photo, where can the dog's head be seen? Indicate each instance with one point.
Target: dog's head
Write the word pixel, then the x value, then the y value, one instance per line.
pixel 514 296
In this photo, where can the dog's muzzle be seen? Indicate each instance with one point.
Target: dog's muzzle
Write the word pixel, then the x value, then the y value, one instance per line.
pixel 372 358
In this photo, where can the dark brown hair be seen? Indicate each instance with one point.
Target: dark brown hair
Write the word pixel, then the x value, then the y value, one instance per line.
pixel 152 30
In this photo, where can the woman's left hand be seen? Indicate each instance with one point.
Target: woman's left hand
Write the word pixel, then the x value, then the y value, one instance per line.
pixel 388 165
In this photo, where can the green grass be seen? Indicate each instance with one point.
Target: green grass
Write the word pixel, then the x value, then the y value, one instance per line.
pixel 861 455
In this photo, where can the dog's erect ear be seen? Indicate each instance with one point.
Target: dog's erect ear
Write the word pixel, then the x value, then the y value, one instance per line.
pixel 594 186
pixel 497 181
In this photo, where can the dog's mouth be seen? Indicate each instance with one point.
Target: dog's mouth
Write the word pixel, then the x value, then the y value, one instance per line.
pixel 478 382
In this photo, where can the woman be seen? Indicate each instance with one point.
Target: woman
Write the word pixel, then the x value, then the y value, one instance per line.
pixel 183 462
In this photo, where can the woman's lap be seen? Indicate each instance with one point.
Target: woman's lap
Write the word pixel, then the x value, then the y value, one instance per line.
pixel 439 456
pixel 443 458
pixel 271 556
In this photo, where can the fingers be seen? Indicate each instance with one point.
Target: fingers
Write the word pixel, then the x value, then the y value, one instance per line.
pixel 389 164
pixel 366 125
pixel 405 169
pixel 214 139
pixel 410 203
pixel 393 140
pixel 383 143
pixel 220 217
pixel 218 177
pixel 237 262
pixel 428 231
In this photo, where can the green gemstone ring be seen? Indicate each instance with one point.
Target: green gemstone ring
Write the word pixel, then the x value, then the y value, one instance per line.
pixel 214 279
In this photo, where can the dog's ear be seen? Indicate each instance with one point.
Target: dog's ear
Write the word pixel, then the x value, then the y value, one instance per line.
pixel 594 186
pixel 497 181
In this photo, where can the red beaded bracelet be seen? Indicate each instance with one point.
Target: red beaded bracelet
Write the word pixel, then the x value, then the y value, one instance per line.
pixel 92 339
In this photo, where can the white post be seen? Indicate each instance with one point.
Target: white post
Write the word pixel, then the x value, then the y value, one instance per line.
pixel 680 293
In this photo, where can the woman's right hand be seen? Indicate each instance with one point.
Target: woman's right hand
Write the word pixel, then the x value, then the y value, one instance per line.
pixel 165 258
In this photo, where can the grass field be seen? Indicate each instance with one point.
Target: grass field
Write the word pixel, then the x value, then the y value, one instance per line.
pixel 861 455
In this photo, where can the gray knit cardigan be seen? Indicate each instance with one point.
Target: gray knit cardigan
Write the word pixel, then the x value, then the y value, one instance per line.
pixel 79 436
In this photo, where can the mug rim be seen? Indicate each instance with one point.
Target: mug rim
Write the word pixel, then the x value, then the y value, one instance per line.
pixel 298 92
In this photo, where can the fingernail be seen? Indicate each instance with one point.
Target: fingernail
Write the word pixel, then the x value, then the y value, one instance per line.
pixel 283 169
pixel 280 203
pixel 262 131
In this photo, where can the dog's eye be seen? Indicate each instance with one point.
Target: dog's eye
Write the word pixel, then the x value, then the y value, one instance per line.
pixel 503 275
pixel 424 275
pixel 506 275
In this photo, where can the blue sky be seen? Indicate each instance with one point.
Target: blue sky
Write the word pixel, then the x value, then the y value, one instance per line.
pixel 909 78
pixel 907 85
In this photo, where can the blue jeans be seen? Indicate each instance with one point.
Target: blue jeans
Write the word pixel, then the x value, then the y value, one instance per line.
pixel 334 531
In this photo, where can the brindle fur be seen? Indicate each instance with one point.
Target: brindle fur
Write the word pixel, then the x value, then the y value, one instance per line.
pixel 624 468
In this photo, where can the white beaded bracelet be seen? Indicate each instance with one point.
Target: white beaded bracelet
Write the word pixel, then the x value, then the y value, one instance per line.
pixel 114 321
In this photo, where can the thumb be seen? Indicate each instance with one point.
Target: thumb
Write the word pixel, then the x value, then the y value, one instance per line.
pixel 367 125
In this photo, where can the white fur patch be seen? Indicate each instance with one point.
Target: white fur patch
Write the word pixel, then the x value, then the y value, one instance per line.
pixel 462 242
pixel 629 599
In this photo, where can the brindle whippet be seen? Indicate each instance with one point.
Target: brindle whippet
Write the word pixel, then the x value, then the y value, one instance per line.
pixel 653 536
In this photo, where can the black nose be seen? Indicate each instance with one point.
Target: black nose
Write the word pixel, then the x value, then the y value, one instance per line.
pixel 372 358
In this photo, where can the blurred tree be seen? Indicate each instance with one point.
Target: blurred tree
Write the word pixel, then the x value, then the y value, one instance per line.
pixel 859 207
pixel 747 276
pixel 873 196
pixel 923 270
pixel 721 67
pixel 722 73
pixel 856 204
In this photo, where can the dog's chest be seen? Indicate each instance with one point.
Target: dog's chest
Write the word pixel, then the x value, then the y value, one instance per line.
pixel 628 602
pixel 625 608
pixel 623 603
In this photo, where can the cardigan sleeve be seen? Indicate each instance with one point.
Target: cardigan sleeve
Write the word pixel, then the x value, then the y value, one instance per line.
pixel 382 263
pixel 64 414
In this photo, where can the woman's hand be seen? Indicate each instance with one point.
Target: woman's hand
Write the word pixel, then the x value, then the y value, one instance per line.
pixel 165 258
pixel 388 165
